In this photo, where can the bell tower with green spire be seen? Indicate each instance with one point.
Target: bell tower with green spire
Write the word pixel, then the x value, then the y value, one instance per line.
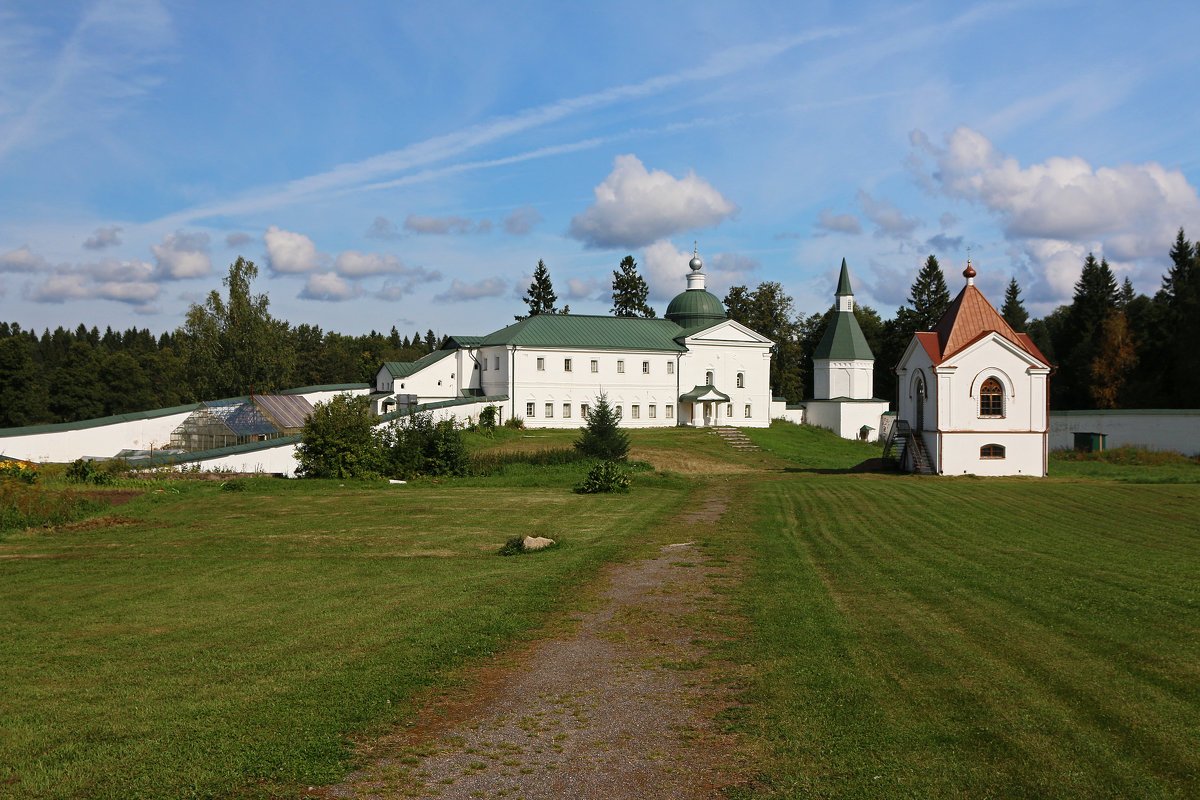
pixel 844 372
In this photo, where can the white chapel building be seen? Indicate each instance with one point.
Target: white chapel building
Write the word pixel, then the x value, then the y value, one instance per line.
pixel 692 367
pixel 844 374
pixel 973 394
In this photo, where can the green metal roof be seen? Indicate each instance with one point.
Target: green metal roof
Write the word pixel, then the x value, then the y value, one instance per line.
pixel 458 342
pixel 844 289
pixel 402 369
pixel 593 332
pixel 695 307
pixel 844 340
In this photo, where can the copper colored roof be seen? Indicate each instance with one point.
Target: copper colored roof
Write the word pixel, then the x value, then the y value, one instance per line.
pixel 969 318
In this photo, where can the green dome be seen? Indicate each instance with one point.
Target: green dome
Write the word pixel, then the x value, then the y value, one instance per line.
pixel 694 308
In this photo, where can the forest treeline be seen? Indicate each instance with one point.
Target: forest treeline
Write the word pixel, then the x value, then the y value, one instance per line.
pixel 1112 348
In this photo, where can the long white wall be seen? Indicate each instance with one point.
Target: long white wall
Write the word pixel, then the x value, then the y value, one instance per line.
pixel 104 439
pixel 1155 429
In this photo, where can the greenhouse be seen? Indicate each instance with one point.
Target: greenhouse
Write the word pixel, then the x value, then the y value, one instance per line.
pixel 224 423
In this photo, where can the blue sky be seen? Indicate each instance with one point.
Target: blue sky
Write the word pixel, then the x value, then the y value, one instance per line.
pixel 407 164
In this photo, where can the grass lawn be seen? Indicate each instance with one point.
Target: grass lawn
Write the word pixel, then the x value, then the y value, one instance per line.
pixel 904 636
pixel 204 642
pixel 932 637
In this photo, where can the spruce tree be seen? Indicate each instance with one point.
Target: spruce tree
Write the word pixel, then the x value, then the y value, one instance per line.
pixel 629 291
pixel 541 297
pixel 602 438
pixel 1014 312
pixel 928 297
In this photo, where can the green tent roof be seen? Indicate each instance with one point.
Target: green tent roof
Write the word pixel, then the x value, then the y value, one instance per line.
pixel 844 289
pixel 844 340
pixel 593 332
pixel 700 391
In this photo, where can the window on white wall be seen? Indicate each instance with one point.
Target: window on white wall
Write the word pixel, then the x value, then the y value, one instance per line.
pixel 991 451
pixel 497 362
pixel 620 366
pixel 729 410
pixel 991 399
pixel 595 365
pixel 566 365
pixel 541 364
pixel 670 367
pixel 529 409
pixel 549 410
pixel 741 380
pixel 583 408
pixel 708 378
pixel 652 411
pixel 635 411
pixel 747 411
pixel 617 411
pixel 566 410
pixel 670 411
pixel 645 367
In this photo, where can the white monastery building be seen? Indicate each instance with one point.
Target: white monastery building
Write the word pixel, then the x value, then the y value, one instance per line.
pixel 693 367
pixel 844 374
pixel 973 394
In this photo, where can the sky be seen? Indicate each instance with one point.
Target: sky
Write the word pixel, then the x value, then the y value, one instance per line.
pixel 408 164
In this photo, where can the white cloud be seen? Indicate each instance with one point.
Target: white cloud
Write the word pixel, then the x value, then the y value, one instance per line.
pixel 123 281
pixel 442 226
pixel 521 221
pixel 182 255
pixel 21 260
pixel 290 253
pixel 590 289
pixel 328 286
pixel 888 219
pixel 1134 208
pixel 357 264
pixel 838 223
pixel 237 239
pixel 635 207
pixel 103 237
pixel 461 292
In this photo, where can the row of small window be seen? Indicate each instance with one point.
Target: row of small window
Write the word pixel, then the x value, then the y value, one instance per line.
pixel 635 411
pixel 568 366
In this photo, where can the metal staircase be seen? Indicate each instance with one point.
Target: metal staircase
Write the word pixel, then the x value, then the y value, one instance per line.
pixel 901 440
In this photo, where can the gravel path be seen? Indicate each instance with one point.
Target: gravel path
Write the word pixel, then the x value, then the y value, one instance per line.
pixel 622 707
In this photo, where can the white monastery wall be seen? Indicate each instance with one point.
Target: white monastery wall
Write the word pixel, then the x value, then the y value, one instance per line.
pixel 853 378
pixel 67 442
pixel 726 360
pixel 1154 429
pixel 1024 395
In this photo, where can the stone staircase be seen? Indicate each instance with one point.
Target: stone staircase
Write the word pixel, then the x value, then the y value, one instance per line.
pixel 735 438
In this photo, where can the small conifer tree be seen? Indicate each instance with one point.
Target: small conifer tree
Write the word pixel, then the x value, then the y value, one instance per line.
pixel 602 438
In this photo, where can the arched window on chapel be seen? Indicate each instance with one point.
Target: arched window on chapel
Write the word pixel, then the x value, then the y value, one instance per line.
pixel 991 399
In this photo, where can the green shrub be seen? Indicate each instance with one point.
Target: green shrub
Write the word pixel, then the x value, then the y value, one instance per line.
pixel 513 547
pixel 606 476
pixel 233 485
pixel 487 421
pixel 339 441
pixel 416 445
pixel 602 438
pixel 82 470
pixel 516 423
pixel 21 471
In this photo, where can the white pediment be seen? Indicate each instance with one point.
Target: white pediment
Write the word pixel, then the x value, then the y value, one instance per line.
pixel 994 340
pixel 728 331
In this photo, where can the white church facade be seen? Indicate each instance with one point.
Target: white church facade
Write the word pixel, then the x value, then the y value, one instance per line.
pixel 973 394
pixel 692 367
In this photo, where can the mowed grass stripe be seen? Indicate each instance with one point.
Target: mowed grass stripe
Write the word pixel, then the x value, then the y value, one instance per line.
pixel 974 628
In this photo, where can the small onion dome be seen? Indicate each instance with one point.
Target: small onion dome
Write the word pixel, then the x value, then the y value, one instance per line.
pixel 969 272
pixel 696 264
pixel 695 308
